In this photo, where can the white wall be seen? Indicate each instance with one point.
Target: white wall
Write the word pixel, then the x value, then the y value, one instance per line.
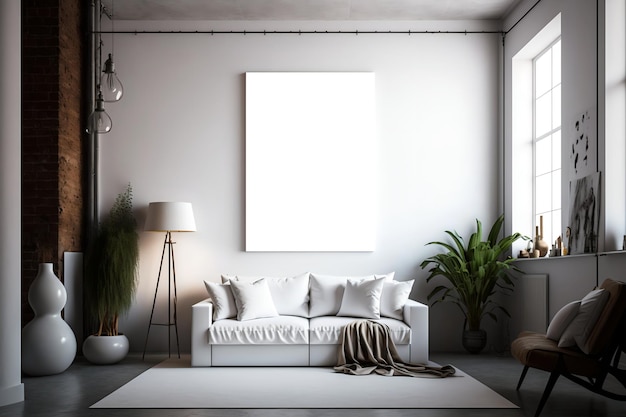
pixel 178 134
pixel 579 88
pixel 11 387
pixel 612 104
pixel 583 29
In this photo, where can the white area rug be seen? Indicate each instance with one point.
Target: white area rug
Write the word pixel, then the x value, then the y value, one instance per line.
pixel 175 384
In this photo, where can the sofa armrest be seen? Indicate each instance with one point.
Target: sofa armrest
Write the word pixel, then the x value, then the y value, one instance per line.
pixel 416 316
pixel 201 320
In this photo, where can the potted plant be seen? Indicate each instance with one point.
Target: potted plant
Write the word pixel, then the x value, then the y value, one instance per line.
pixel 475 272
pixel 111 280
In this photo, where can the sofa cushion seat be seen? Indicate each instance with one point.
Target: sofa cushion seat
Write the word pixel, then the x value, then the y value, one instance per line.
pixel 290 330
pixel 327 330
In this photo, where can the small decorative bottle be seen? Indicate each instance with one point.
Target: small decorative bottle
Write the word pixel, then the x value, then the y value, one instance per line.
pixel 541 245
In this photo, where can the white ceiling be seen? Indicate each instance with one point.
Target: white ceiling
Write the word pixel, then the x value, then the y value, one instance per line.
pixel 309 9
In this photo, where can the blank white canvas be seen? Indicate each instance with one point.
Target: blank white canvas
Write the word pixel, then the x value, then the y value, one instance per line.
pixel 311 171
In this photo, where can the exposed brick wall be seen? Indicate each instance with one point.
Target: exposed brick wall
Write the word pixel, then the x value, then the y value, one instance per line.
pixel 52 179
pixel 70 184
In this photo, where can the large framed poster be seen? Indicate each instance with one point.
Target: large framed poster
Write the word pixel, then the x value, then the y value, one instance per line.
pixel 311 165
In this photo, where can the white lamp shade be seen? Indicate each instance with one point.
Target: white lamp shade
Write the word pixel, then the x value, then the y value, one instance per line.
pixel 170 217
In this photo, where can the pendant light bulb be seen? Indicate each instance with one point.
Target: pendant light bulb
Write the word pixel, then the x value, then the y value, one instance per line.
pixel 112 88
pixel 99 121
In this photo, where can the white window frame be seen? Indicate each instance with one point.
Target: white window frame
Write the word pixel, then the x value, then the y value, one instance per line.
pixel 548 236
pixel 521 162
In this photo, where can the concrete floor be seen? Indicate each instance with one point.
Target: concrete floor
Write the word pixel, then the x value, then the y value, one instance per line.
pixel 72 392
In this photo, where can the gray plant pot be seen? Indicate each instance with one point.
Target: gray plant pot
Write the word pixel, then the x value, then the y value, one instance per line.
pixel 474 341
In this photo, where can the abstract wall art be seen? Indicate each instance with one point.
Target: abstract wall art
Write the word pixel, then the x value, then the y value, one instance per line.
pixel 584 212
pixel 583 144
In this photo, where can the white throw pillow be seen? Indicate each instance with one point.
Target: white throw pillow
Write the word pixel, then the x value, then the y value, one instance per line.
pixel 221 295
pixel 394 297
pixel 325 295
pixel 253 300
pixel 291 295
pixel 362 298
pixel 595 310
pixel 227 278
pixel 561 320
pixel 326 292
pixel 246 278
pixel 388 277
pixel 588 313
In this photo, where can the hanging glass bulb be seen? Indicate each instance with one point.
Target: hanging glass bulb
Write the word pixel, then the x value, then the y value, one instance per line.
pixel 99 121
pixel 112 88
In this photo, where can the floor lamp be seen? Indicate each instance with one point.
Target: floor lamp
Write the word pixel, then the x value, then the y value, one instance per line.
pixel 168 217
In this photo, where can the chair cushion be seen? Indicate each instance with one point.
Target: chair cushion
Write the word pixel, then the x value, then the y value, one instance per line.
pixel 588 313
pixel 537 351
pixel 562 319
pixel 609 319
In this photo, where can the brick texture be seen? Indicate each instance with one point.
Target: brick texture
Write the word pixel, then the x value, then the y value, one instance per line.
pixel 52 152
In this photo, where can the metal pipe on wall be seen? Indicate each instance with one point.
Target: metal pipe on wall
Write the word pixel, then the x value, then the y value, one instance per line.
pixel 93 139
pixel 11 386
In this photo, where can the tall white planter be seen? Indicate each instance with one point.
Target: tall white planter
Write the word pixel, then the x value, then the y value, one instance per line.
pixel 48 342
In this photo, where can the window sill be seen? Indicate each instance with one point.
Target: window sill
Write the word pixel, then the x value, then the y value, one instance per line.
pixel 581 255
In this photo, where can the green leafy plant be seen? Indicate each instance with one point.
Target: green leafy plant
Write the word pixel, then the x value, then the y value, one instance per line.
pixel 111 267
pixel 475 272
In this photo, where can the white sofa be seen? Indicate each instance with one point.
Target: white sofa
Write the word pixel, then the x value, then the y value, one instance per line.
pixel 297 321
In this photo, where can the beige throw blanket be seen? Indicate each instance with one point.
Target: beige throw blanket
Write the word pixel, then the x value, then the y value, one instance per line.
pixel 366 347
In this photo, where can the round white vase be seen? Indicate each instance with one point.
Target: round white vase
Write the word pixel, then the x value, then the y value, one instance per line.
pixel 48 342
pixel 105 350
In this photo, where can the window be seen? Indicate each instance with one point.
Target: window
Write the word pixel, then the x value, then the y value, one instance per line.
pixel 547 141
pixel 535 141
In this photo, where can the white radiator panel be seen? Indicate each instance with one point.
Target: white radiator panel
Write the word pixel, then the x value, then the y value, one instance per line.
pixel 73 280
pixel 529 310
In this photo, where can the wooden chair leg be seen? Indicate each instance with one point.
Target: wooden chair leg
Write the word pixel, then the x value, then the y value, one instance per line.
pixel 546 393
pixel 521 378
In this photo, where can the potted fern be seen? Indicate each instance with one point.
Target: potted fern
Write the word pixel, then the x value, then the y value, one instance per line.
pixel 475 272
pixel 111 280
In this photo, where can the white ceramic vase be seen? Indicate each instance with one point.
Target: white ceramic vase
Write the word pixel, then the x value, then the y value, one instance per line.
pixel 48 342
pixel 105 350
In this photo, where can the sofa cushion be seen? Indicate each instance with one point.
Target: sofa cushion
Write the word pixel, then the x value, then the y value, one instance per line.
pixel 221 295
pixel 393 298
pixel 290 295
pixel 327 330
pixel 326 292
pixel 361 299
pixel 253 300
pixel 289 330
pixel 251 278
